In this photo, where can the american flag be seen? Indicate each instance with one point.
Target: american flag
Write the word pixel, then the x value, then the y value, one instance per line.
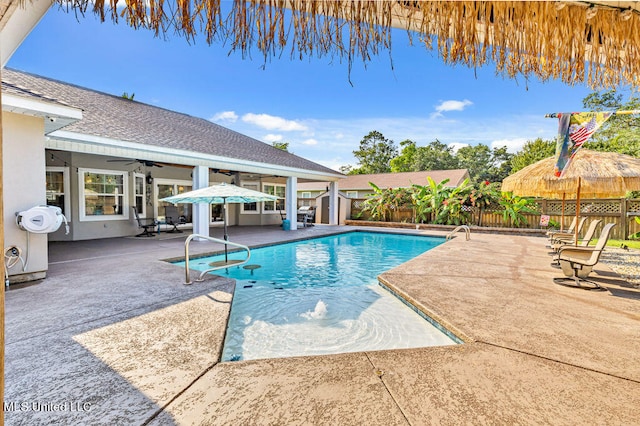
pixel 579 134
pixel 572 135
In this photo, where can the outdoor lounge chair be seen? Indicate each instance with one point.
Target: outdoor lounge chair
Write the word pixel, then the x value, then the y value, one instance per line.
pixel 569 233
pixel 568 230
pixel 172 217
pixel 147 224
pixel 578 262
pixel 582 242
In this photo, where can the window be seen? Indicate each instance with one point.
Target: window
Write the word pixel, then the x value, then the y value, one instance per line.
pixel 278 191
pixel 58 189
pixel 250 208
pixel 103 195
pixel 305 195
pixel 352 194
pixel 168 187
pixel 140 194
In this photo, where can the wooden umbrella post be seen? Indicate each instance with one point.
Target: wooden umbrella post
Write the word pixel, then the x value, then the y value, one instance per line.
pixel 577 211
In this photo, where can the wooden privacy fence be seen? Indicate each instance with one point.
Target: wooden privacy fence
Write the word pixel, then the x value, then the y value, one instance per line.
pixel 622 212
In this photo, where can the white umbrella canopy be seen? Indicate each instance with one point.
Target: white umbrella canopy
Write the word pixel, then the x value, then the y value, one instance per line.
pixel 221 193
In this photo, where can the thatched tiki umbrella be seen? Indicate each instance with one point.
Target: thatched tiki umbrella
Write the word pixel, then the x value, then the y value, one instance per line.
pixel 592 174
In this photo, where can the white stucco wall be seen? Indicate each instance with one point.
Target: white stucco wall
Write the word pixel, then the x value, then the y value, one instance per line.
pixel 23 164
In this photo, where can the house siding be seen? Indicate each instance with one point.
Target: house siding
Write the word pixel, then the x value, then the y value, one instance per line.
pixel 24 179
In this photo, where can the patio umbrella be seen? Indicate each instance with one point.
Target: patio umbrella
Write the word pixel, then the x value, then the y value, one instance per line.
pixel 221 193
pixel 592 174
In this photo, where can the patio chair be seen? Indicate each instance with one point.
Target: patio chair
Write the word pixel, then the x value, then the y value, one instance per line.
pixel 172 217
pixel 147 224
pixel 578 262
pixel 569 229
pixel 307 215
pixel 582 242
pixel 569 233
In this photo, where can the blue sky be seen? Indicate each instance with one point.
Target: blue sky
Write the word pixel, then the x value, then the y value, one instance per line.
pixel 309 103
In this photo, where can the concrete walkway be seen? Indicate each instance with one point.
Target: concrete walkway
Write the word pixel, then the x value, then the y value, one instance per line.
pixel 112 336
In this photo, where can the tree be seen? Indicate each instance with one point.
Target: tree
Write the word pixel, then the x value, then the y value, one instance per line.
pixel 375 154
pixel 620 133
pixel 406 160
pixel 476 159
pixel 281 145
pixel 435 156
pixel 346 169
pixel 532 152
pixel 128 96
pixel 500 166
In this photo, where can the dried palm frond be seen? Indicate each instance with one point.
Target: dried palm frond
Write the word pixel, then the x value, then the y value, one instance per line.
pixel 572 41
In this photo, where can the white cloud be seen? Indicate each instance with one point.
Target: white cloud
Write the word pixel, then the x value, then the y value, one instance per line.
pixel 445 106
pixel 453 105
pixel 310 142
pixel 513 145
pixel 225 116
pixel 457 145
pixel 272 138
pixel 271 122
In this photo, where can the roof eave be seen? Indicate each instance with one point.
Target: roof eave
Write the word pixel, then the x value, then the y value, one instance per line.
pixel 55 115
pixel 78 142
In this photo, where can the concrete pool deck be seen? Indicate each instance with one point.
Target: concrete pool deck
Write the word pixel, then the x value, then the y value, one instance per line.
pixel 112 336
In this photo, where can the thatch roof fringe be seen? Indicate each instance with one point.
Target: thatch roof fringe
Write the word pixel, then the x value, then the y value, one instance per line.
pixel 571 41
pixel 602 174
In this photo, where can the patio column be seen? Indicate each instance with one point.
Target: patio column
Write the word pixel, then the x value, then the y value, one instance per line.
pixel 333 203
pixel 292 202
pixel 200 210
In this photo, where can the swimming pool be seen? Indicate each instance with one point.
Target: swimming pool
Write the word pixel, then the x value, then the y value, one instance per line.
pixel 321 296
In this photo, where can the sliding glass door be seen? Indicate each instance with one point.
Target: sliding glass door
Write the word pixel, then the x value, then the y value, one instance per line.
pixel 166 188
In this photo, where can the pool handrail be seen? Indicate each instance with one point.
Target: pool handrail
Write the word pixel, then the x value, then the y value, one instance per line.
pixel 215 268
pixel 466 229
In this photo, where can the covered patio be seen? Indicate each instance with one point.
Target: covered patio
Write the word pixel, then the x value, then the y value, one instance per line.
pixel 114 335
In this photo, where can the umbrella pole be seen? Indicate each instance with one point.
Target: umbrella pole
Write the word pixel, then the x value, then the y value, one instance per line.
pixel 226 237
pixel 577 211
pixel 564 195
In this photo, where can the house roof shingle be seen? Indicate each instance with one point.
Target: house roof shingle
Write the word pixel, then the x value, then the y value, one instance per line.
pixel 121 119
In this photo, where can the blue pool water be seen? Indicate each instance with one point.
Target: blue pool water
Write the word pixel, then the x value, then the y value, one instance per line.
pixel 322 296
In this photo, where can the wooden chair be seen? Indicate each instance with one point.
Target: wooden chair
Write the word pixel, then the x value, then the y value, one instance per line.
pixel 147 224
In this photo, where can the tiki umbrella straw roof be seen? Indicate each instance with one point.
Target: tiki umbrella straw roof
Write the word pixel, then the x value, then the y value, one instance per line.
pixel 594 42
pixel 601 175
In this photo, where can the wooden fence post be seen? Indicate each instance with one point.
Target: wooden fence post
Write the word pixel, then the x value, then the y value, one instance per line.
pixel 624 206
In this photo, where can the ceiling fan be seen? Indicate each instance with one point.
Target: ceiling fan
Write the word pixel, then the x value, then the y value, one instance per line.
pixel 147 163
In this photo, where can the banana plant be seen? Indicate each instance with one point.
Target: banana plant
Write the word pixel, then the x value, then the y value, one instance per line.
pixel 377 204
pixel 429 200
pixel 453 211
pixel 440 204
pixel 513 208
